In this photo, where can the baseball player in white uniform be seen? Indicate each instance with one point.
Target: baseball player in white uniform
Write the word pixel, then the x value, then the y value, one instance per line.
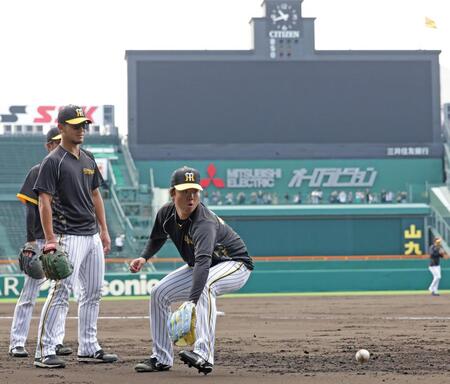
pixel 436 253
pixel 217 262
pixel 24 307
pixel 72 212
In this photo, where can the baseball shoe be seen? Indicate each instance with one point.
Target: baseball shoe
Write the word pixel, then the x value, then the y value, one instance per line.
pixel 61 350
pixel 194 360
pixel 50 361
pixel 151 365
pixel 98 357
pixel 18 352
pixel 434 294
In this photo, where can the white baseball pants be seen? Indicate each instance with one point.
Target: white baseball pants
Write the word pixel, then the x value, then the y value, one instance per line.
pixel 436 272
pixel 223 278
pixel 86 255
pixel 24 309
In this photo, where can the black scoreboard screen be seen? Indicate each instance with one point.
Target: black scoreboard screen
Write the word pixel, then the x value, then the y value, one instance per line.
pixel 326 101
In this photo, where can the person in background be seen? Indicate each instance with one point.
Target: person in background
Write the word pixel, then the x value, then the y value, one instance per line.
pixel 119 242
pixel 297 198
pixel 436 253
pixel 24 308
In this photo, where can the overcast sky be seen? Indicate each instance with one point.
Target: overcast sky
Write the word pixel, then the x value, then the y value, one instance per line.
pixel 55 52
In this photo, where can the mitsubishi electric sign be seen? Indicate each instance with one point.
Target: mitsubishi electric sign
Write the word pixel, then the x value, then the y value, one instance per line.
pixel 284 176
pixel 263 178
pixel 253 177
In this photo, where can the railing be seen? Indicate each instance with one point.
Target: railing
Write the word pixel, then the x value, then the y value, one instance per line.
pixel 134 176
pixel 440 227
pixel 153 206
pixel 447 163
pixel 111 176
pixel 152 179
pixel 123 219
pixel 130 232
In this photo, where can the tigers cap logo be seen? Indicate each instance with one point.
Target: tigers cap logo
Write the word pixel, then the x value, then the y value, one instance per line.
pixel 186 178
pixel 72 114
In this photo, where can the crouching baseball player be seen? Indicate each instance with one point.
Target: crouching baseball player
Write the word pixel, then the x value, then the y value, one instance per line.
pixel 30 264
pixel 217 262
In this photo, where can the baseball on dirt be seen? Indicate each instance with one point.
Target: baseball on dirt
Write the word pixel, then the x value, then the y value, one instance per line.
pixel 362 356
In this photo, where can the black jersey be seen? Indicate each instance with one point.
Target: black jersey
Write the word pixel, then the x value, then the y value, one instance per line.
pixel 202 234
pixel 70 180
pixel 30 198
pixel 203 241
pixel 436 254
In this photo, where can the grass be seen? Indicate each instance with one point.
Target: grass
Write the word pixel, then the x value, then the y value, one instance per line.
pixel 283 294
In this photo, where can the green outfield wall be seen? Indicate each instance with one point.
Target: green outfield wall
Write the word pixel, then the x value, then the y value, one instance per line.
pixel 282 277
pixel 326 230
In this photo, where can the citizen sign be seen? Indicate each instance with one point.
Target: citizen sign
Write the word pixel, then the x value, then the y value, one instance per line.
pixel 284 34
pixel 334 177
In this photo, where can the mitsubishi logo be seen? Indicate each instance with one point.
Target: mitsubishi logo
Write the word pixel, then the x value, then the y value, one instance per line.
pixel 217 182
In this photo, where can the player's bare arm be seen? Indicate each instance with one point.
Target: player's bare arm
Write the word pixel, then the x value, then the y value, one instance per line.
pixel 30 220
pixel 45 210
pixel 101 218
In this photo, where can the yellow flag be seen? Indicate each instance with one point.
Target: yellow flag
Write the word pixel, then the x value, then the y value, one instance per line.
pixel 430 23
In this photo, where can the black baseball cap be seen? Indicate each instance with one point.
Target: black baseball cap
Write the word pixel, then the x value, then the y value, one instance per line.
pixel 72 114
pixel 186 178
pixel 53 134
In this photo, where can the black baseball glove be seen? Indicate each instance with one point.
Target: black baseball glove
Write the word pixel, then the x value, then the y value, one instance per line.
pixel 29 261
pixel 56 264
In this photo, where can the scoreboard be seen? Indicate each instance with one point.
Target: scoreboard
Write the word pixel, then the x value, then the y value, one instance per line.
pixel 283 99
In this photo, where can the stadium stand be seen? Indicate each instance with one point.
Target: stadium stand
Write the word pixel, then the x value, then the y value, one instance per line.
pixel 130 205
pixel 12 218
pixel 439 195
pixel 123 196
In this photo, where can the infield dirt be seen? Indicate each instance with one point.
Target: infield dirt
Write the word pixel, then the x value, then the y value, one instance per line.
pixel 267 340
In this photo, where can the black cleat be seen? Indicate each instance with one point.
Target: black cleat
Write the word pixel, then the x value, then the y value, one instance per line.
pixel 151 365
pixel 194 360
pixel 50 361
pixel 18 352
pixel 61 350
pixel 98 357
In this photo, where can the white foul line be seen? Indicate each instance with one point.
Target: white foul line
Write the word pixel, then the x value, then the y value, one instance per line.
pixel 100 317
pixel 219 313
pixel 418 318
pixel 400 318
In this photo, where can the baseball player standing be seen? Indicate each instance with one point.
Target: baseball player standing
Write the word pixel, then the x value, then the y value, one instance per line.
pixel 71 209
pixel 217 262
pixel 35 236
pixel 436 253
